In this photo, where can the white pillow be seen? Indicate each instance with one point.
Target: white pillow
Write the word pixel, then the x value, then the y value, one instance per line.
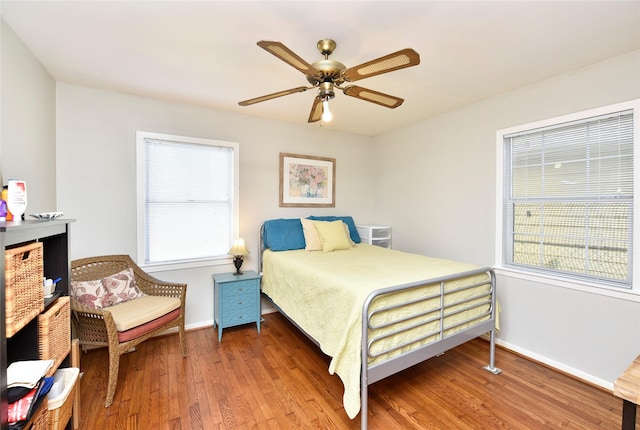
pixel 312 240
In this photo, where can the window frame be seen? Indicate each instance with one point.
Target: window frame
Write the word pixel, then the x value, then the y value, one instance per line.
pixel 535 275
pixel 140 201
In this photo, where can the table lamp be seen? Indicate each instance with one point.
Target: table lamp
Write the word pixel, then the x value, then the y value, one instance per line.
pixel 238 250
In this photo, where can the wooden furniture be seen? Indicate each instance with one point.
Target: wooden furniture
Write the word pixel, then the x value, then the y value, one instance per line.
pixel 402 308
pixel 23 345
pixel 627 387
pixel 97 327
pixel 237 300
pixel 379 235
pixel 75 362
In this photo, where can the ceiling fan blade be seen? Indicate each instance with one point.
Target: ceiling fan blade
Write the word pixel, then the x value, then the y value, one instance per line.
pixel 372 96
pixel 273 96
pixel 398 60
pixel 316 110
pixel 288 56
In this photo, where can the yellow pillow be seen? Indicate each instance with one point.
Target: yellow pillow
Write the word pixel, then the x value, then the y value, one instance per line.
pixel 346 231
pixel 311 238
pixel 333 235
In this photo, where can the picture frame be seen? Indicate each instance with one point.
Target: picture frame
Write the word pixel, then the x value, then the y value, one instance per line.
pixel 307 181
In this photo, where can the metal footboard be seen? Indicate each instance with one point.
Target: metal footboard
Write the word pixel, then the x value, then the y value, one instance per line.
pixel 430 342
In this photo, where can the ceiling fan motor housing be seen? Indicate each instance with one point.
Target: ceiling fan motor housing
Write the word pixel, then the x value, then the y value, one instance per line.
pixel 325 90
pixel 329 70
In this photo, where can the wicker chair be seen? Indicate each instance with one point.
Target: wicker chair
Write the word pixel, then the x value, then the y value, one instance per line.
pixel 97 327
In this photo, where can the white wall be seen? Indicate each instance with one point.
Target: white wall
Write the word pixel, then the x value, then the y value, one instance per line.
pixel 27 123
pixel 444 169
pixel 96 173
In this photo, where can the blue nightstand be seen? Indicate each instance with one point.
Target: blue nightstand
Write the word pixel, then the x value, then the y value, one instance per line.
pixel 237 300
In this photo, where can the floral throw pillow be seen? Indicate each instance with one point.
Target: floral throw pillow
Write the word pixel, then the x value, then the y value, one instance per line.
pixel 109 291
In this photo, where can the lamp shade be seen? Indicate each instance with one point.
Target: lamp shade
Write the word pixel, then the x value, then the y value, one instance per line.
pixel 238 248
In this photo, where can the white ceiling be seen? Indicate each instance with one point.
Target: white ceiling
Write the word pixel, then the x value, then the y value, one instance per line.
pixel 205 52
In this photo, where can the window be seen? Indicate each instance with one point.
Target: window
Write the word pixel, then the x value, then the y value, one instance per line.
pixel 567 206
pixel 187 199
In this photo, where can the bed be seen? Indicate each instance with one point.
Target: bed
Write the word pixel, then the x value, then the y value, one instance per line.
pixel 374 311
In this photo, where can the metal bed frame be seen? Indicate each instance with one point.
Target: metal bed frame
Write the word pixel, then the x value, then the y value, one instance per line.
pixel 370 374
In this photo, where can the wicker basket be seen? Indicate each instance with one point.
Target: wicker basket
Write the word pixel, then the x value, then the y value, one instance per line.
pixel 24 296
pixel 61 407
pixel 54 333
pixel 39 421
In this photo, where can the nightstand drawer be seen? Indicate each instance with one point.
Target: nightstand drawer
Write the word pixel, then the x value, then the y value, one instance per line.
pixel 239 315
pixel 240 288
pixel 238 300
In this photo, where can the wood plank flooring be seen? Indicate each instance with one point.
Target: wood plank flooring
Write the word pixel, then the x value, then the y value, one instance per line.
pixel 278 380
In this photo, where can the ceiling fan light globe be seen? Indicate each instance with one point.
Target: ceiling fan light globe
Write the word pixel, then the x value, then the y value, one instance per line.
pixel 326 113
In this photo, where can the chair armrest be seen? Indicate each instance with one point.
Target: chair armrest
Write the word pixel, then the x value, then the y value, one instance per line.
pixel 93 326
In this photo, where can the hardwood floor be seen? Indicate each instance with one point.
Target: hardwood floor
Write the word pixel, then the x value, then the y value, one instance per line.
pixel 278 380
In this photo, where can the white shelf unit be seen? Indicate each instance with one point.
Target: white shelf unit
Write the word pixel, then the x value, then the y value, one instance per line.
pixel 379 235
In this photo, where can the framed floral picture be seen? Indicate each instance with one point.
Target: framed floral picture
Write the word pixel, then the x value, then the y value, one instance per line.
pixel 307 181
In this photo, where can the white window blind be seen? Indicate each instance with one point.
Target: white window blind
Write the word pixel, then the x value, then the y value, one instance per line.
pixel 189 200
pixel 568 199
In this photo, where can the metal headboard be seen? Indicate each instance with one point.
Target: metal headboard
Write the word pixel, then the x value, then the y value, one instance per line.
pixel 261 246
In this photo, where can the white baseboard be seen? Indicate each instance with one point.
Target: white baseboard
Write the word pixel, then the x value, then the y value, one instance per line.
pixel 556 365
pixel 209 323
pixel 200 324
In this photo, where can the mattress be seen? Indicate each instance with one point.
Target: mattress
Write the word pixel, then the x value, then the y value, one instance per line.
pixel 323 292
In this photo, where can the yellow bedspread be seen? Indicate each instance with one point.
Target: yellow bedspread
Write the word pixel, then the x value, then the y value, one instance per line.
pixel 324 293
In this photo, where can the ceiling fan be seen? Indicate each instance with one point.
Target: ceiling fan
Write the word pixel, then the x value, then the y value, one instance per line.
pixel 328 75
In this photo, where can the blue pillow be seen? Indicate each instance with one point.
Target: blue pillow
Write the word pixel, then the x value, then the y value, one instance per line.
pixel 353 231
pixel 283 234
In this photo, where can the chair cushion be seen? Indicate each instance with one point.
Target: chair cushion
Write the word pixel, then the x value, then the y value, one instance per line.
pixel 124 336
pixel 134 313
